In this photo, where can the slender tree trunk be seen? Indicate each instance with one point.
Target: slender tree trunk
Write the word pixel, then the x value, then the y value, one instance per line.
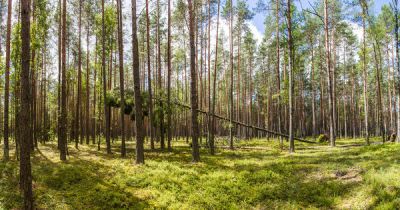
pixel 138 97
pixel 26 137
pixel 1 61
pixel 7 82
pixel 238 108
pixel 59 75
pixel 103 66
pixel 278 72
pixel 209 123
pixel 160 92
pixel 150 102
pixel 121 76
pixel 78 127
pixel 32 77
pixel 94 126
pixel 16 100
pixel 63 119
pixel 344 91
pixel 291 69
pixel 250 113
pixel 390 98
pixel 193 84
pixel 333 79
pixel 332 136
pixel 314 120
pixel 87 85
pixel 169 134
pixel 353 102
pixel 212 127
pixel 396 15
pixel 365 87
pixel 322 89
pixel 379 93
pixel 394 91
pixel 46 125
pixel 231 76
pixel 186 87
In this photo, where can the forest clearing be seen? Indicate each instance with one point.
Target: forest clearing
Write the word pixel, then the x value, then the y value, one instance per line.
pixel 315 177
pixel 199 104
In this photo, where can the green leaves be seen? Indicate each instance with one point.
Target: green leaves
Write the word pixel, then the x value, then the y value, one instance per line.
pixel 113 100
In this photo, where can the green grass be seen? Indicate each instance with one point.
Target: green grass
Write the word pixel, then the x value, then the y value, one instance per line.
pixel 257 176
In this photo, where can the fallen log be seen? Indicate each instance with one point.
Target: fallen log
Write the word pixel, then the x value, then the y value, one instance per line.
pixel 239 123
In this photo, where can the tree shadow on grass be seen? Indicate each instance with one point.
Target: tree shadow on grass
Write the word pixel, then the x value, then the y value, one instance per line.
pixel 230 179
pixel 270 183
pixel 292 179
pixel 78 184
pixel 353 156
pixel 9 186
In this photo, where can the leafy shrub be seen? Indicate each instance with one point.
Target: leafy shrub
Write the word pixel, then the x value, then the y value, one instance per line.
pixel 322 138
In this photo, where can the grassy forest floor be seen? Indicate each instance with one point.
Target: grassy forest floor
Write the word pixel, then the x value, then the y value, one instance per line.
pixel 258 175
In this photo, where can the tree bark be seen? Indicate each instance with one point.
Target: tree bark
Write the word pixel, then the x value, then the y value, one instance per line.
pixel 138 99
pixel 231 76
pixel 7 82
pixel 332 136
pixel 161 113
pixel 365 86
pixel 78 120
pixel 396 31
pixel 314 120
pixel 94 126
pixel 193 85
pixel 87 85
pixel 291 69
pixel 63 118
pixel 169 134
pixel 59 74
pixel 214 98
pixel 149 77
pixel 379 92
pixel 26 137
pixel 103 66
pixel 278 72
pixel 121 76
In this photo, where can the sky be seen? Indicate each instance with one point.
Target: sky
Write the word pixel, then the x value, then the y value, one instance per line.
pixel 258 20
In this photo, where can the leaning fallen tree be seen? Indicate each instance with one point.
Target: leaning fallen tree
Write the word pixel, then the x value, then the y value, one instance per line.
pixel 113 101
pixel 240 123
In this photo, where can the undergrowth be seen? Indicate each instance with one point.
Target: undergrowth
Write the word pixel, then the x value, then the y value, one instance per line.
pixel 259 174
